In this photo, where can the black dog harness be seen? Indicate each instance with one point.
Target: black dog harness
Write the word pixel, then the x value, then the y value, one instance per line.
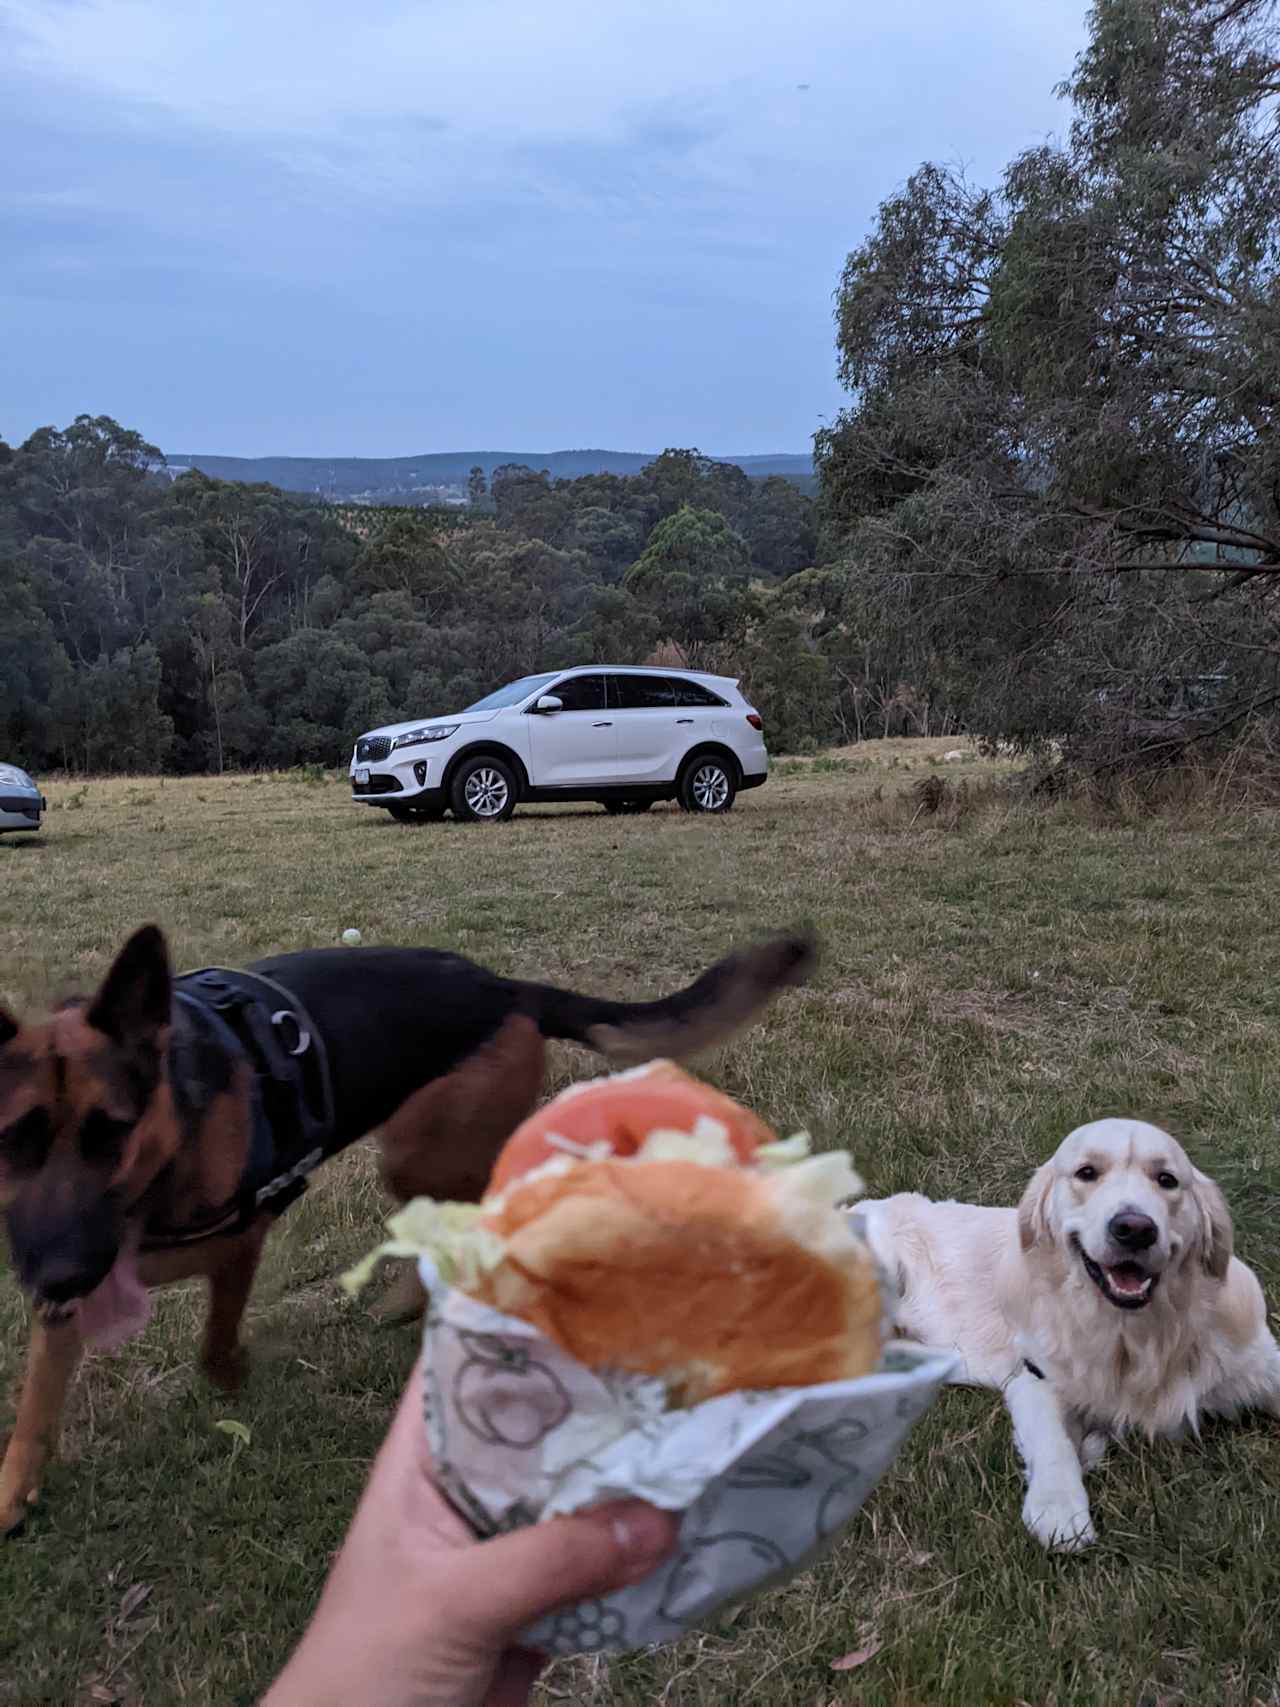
pixel 252 1018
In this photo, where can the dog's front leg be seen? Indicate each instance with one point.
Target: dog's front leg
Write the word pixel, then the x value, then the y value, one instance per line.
pixel 224 1359
pixel 1056 1507
pixel 51 1362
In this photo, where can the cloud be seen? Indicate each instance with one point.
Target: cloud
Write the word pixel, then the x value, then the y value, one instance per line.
pixel 432 100
pixel 518 198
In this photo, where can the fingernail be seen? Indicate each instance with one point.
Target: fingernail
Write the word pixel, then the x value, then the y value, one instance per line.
pixel 644 1534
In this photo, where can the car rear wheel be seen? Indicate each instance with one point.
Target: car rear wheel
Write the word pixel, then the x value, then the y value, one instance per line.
pixel 624 808
pixel 415 814
pixel 708 783
pixel 484 791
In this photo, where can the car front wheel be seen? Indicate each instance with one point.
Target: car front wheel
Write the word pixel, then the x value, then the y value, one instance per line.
pixel 484 790
pixel 707 784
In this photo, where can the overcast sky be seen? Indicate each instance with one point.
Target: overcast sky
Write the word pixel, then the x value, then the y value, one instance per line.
pixel 392 226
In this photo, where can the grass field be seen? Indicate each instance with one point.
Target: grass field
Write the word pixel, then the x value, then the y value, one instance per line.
pixel 990 979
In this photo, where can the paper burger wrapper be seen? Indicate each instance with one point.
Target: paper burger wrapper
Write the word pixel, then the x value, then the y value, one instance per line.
pixel 520 1432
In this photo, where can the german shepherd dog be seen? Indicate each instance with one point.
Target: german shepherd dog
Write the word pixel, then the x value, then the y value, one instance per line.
pixel 153 1132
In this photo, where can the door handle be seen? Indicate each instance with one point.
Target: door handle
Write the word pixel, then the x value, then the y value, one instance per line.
pixel 605 725
pixel 684 720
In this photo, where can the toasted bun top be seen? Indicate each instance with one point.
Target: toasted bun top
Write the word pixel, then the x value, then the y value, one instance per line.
pixel 621 1112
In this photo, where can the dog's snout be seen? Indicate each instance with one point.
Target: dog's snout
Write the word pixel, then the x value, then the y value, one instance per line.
pixel 61 1279
pixel 61 1284
pixel 57 1260
pixel 1133 1231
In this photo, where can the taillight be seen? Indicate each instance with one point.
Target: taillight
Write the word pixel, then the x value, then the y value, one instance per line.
pixel 755 720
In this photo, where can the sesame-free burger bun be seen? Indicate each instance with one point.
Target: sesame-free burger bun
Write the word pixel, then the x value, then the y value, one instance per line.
pixel 716 1279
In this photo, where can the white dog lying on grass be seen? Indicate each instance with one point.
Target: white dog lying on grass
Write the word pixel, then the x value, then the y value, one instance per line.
pixel 1109 1299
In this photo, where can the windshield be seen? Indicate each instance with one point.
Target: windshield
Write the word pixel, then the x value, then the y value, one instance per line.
pixel 15 778
pixel 513 693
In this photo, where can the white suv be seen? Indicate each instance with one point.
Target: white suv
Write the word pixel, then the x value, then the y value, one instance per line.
pixel 625 737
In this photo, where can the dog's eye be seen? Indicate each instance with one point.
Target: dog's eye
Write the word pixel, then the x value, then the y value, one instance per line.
pixel 1087 1172
pixel 102 1138
pixel 1168 1181
pixel 24 1144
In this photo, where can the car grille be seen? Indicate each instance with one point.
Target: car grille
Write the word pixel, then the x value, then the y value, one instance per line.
pixel 375 747
pixel 378 785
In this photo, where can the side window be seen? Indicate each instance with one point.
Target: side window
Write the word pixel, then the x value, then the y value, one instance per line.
pixel 693 693
pixel 641 693
pixel 580 693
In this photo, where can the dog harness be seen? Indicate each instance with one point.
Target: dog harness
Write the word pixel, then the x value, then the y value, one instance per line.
pixel 251 1018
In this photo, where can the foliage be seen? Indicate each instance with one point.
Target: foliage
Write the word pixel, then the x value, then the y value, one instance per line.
pixel 201 624
pixel 1057 487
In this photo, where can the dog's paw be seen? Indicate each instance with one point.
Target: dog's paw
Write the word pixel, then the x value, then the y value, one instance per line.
pixel 227 1370
pixel 1059 1518
pixel 404 1301
pixel 19 1487
pixel 13 1522
pixel 15 1508
pixel 1093 1449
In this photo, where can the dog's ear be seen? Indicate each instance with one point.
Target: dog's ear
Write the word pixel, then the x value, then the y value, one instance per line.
pixel 1033 1211
pixel 1217 1237
pixel 134 1001
pixel 444 1139
pixel 8 1028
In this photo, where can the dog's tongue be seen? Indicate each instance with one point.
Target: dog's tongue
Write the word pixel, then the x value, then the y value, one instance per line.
pixel 117 1309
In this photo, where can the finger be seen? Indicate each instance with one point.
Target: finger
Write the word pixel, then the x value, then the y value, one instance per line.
pixel 498 1588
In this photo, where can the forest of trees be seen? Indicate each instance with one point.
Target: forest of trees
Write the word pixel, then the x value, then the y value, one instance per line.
pixel 1049 513
pixel 1059 476
pixel 195 624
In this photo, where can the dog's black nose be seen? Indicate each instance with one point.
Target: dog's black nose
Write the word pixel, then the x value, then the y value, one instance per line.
pixel 1132 1231
pixel 62 1277
pixel 60 1285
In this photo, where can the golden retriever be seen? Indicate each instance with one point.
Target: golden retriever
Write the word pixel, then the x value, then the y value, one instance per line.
pixel 1108 1300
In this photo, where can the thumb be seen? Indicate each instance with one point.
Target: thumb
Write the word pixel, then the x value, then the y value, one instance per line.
pixel 499 1587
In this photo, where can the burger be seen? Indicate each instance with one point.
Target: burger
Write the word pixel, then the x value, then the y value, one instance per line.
pixel 647 1223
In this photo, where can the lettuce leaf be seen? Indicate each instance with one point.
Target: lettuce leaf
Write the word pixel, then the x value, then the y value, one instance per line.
pixel 450 1234
pixel 464 1249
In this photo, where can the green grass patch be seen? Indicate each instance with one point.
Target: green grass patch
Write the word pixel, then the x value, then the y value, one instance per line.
pixel 991 977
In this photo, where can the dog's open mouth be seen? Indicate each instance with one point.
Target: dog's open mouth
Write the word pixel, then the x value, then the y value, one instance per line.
pixel 1125 1284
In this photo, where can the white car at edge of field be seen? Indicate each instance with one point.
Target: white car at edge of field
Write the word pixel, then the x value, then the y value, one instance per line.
pixel 620 735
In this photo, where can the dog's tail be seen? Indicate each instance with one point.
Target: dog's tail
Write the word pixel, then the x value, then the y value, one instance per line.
pixel 727 996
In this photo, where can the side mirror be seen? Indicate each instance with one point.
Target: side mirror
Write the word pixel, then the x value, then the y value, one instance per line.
pixel 548 702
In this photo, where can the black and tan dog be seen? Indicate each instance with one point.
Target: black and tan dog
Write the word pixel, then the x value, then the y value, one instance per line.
pixel 154 1132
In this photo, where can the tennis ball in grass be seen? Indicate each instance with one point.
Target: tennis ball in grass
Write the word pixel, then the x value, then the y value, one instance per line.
pixel 352 937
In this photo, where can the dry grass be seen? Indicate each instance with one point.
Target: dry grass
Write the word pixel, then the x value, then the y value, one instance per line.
pixel 991 978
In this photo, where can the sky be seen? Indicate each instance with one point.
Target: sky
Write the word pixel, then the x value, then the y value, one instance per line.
pixel 293 227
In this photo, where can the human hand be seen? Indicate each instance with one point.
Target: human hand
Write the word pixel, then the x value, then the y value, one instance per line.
pixel 417 1612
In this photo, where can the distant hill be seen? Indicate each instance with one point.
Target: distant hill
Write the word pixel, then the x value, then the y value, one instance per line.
pixel 383 478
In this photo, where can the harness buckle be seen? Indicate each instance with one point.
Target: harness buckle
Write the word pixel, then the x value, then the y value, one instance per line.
pixel 284 1016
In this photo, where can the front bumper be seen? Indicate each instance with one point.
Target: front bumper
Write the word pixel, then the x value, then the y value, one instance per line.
pixel 21 811
pixel 412 781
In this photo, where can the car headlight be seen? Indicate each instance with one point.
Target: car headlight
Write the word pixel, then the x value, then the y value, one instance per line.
pixel 429 732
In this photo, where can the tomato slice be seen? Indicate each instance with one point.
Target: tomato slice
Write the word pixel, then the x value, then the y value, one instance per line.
pixel 623 1111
